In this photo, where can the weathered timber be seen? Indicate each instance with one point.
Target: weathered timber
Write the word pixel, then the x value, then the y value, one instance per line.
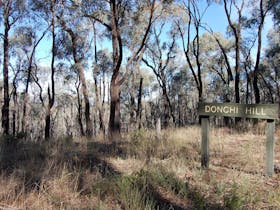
pixel 205 142
pixel 270 143
pixel 261 111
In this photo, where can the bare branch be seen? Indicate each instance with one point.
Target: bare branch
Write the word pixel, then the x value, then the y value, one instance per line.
pixel 99 20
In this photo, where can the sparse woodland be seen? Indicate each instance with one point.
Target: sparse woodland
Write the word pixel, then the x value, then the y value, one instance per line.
pixel 87 85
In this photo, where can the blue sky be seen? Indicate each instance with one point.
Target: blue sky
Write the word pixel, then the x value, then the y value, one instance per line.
pixel 214 17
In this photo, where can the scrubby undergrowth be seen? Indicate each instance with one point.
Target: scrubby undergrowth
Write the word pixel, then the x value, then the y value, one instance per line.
pixel 144 171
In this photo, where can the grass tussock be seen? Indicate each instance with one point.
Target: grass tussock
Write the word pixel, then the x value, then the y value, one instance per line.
pixel 143 171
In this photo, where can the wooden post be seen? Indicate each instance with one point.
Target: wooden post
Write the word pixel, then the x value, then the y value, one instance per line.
pixel 205 142
pixel 259 111
pixel 270 129
pixel 158 128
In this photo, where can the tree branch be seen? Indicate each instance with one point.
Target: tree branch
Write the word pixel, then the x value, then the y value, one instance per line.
pixel 99 20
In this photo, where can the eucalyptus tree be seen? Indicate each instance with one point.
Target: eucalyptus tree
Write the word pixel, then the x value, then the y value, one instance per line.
pixel 133 37
pixel 191 44
pixel 272 54
pixel 49 11
pixel 79 107
pixel 12 12
pixel 181 87
pixel 113 15
pixel 260 10
pixel 27 41
pixel 76 28
pixel 271 64
pixel 23 45
pixel 214 50
pixel 158 58
pixel 17 69
pixel 276 11
pixel 102 64
pixel 235 29
pixel 244 57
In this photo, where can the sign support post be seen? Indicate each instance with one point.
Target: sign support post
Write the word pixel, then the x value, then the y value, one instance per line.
pixel 270 129
pixel 260 111
pixel 205 142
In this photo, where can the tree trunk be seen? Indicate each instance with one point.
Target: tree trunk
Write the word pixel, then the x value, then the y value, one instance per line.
pixel 166 110
pixel 99 106
pixel 24 123
pixel 78 64
pixel 132 102
pixel 139 105
pixel 98 89
pixel 256 88
pixel 5 107
pixel 14 112
pixel 80 121
pixel 197 55
pixel 48 123
pixel 114 121
pixel 236 28
pixel 51 92
pixel 237 72
pixel 89 128
pixel 258 56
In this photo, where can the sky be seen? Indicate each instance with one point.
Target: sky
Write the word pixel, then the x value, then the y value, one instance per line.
pixel 215 18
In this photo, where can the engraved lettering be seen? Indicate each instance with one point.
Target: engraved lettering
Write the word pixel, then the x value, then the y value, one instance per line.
pixel 213 109
pixel 248 110
pixel 232 110
pixel 219 109
pixel 263 113
pixel 226 109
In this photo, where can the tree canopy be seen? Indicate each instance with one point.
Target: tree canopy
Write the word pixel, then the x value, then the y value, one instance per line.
pixel 104 66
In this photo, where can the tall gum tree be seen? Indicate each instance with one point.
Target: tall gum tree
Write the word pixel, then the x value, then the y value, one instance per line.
pixel 112 16
pixel 262 10
pixel 48 10
pixel 13 11
pixel 158 58
pixel 133 40
pixel 30 60
pixel 78 57
pixel 191 46
pixel 51 90
pixel 236 28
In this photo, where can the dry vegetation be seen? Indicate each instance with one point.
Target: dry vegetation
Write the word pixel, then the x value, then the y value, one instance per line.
pixel 144 171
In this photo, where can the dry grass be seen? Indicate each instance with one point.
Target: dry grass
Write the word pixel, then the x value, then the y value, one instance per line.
pixel 235 178
pixel 144 170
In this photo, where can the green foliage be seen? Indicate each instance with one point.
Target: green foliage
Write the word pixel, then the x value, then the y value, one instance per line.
pixel 135 192
pixel 68 141
pixel 142 144
pixel 179 188
pixel 105 187
pixel 139 190
pixel 137 135
pixel 169 181
pixel 232 199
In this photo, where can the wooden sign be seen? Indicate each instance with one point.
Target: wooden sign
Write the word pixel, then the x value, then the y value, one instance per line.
pixel 262 111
